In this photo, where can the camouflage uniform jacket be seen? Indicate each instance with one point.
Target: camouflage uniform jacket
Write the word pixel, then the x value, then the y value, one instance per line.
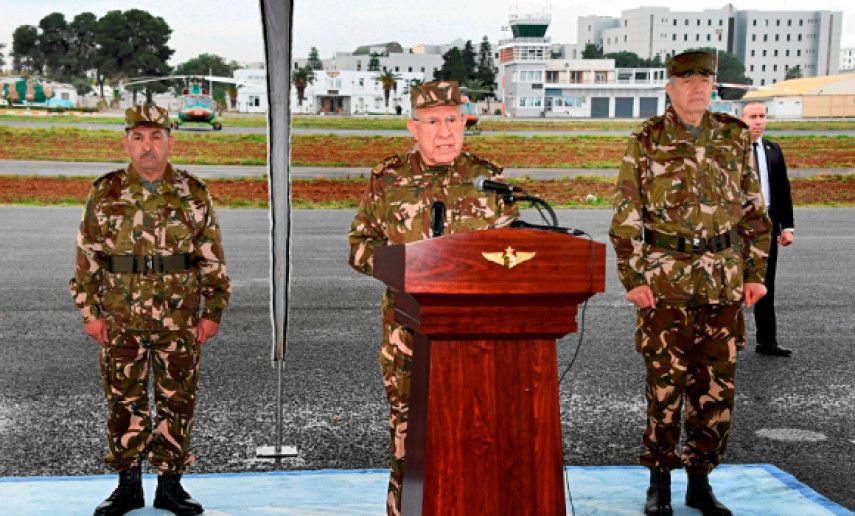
pixel 122 217
pixel 396 207
pixel 674 183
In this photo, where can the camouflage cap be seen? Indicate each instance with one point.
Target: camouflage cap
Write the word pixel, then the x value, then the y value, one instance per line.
pixel 146 116
pixel 437 93
pixel 691 63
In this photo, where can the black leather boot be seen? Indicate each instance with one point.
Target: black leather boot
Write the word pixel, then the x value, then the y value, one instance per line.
pixel 659 494
pixel 172 497
pixel 127 497
pixel 700 496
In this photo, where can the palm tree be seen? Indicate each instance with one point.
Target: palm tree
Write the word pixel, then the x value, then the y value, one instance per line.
pixel 302 77
pixel 390 82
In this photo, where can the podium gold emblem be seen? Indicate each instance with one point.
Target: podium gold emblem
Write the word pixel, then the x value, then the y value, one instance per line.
pixel 509 258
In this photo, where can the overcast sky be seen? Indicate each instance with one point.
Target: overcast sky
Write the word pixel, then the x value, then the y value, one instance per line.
pixel 232 28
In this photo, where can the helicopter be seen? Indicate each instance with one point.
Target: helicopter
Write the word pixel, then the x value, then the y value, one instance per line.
pixel 197 105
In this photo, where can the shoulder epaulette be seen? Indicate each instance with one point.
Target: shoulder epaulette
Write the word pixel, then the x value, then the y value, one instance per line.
pixel 389 162
pixel 727 118
pixel 648 125
pixel 109 176
pixel 484 162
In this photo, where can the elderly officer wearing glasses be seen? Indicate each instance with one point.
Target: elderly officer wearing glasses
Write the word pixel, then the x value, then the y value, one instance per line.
pixel 423 193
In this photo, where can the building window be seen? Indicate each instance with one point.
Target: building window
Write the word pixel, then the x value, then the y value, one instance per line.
pixel 751 68
pixel 361 82
pixel 530 76
pixel 624 38
pixel 787 53
pixel 673 37
pixel 576 77
pixel 766 22
pixel 686 22
pixel 699 22
pixel 754 23
pixel 410 69
pixel 359 66
pixel 529 102
pixel 762 82
pixel 552 76
pixel 765 37
pixel 685 37
pixel 720 23
pixel 789 23
pixel 625 23
pixel 800 37
pixel 776 53
pixel 675 22
pixel 708 37
pixel 777 37
pixel 697 37
pixel 777 23
pixel 763 68
pixel 798 53
pixel 754 37
pixel 788 37
pixel 801 23
pixel 774 68
pixel 600 77
pixel 397 68
pixel 752 53
pixel 764 53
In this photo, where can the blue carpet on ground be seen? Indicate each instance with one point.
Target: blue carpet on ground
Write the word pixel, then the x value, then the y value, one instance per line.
pixel 756 489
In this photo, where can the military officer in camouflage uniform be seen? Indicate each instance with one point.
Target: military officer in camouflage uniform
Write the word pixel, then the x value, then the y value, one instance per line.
pixel 691 236
pixel 151 285
pixel 398 208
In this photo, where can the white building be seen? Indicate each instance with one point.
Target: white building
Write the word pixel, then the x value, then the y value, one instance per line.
pixel 847 59
pixel 252 98
pixel 354 93
pixel 533 83
pixel 333 91
pixel 768 43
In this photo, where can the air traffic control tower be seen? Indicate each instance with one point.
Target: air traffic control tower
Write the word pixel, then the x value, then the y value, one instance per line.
pixel 522 64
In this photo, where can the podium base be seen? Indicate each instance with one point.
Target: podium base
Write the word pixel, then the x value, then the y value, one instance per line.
pixel 270 452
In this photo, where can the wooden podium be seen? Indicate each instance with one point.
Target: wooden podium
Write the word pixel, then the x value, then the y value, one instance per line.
pixel 484 433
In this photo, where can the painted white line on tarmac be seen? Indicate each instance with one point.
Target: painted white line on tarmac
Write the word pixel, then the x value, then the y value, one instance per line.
pixel 791 435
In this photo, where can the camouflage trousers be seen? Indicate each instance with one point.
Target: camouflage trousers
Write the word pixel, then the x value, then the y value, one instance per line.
pixel 689 353
pixel 126 364
pixel 396 359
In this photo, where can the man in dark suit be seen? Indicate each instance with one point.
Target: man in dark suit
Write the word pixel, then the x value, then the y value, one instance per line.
pixel 770 165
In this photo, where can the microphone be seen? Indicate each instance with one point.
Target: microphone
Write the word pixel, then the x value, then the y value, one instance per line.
pixel 483 184
pixel 437 218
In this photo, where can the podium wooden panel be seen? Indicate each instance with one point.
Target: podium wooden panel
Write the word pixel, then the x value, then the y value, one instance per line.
pixel 484 434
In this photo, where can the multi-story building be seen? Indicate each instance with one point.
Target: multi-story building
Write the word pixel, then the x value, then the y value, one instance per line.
pixel 539 79
pixel 847 59
pixel 768 43
pixel 333 91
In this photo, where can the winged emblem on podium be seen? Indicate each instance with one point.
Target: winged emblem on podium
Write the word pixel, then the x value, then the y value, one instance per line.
pixel 509 258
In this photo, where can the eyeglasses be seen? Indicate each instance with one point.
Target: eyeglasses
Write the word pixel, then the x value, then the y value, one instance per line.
pixel 434 122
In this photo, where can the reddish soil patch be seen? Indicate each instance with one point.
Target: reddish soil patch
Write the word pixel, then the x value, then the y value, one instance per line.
pixel 13 190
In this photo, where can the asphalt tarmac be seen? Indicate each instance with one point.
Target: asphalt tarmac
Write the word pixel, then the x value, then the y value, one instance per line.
pixel 95 169
pixel 201 128
pixel 796 413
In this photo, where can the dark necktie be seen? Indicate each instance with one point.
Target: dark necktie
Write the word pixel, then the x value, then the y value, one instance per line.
pixel 756 159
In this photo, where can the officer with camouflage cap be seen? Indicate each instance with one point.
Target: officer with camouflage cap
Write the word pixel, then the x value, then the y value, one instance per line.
pixel 414 196
pixel 151 285
pixel 691 236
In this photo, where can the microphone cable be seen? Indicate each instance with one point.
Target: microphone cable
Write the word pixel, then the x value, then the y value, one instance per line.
pixel 575 356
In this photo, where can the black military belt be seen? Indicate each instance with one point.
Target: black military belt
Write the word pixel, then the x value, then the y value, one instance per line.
pixel 691 245
pixel 146 264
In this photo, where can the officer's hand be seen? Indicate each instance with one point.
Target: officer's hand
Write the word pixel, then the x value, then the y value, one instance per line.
pixel 642 297
pixel 753 293
pixel 206 330
pixel 786 238
pixel 96 329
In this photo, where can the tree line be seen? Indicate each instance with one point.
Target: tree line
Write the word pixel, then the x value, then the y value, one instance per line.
pixel 119 46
